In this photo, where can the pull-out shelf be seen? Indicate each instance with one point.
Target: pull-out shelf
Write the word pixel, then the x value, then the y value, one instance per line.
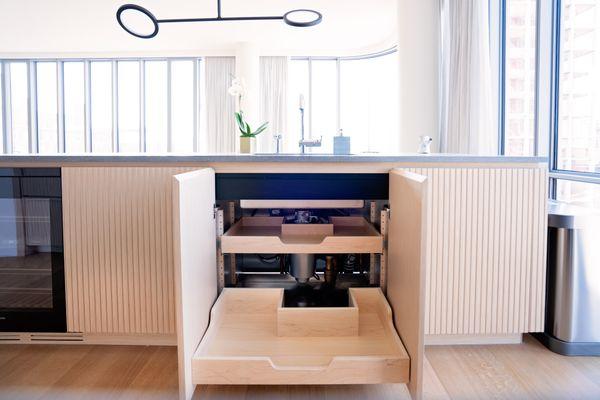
pixel 270 235
pixel 242 345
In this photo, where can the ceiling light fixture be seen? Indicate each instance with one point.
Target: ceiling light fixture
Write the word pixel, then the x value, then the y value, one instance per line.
pixel 139 22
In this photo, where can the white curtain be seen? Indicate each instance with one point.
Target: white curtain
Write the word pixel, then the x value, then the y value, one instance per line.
pixel 220 106
pixel 467 125
pixel 273 101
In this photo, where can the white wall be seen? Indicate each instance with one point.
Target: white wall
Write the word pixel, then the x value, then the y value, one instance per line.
pixel 418 51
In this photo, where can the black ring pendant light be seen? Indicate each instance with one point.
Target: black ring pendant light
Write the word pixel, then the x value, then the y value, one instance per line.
pixel 292 18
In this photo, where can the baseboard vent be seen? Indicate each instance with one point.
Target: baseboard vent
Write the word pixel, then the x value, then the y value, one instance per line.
pixel 41 337
pixel 83 338
pixel 56 337
pixel 9 337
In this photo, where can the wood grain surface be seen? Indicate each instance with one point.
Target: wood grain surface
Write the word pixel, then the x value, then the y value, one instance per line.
pixel 67 372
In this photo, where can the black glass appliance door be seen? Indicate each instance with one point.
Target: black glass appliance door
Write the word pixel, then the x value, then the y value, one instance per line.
pixel 32 287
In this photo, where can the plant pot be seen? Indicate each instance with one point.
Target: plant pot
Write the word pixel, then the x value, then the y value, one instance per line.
pixel 247 145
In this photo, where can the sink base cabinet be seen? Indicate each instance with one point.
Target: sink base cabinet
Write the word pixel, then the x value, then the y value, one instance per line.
pixel 233 339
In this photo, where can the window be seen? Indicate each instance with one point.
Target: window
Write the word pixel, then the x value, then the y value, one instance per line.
pixel 551 50
pixel 575 162
pixel 100 106
pixel 129 106
pixel 182 106
pixel 578 193
pixel 298 86
pixel 74 106
pixel 19 93
pixel 578 134
pixel 355 94
pixel 47 121
pixel 369 103
pixel 157 104
pixel 324 107
pixel 518 125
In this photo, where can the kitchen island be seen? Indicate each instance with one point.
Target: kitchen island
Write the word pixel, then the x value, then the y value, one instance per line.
pixel 486 245
pixel 483 250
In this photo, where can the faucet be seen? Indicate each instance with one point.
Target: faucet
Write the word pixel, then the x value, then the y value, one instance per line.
pixel 310 143
pixel 306 142
pixel 277 138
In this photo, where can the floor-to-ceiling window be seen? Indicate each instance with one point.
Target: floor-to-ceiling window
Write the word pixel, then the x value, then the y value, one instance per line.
pixel 357 95
pixel 100 106
pixel 549 79
pixel 576 141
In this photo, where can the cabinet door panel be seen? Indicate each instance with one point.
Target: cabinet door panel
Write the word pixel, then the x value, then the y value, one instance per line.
pixel 406 266
pixel 118 241
pixel 194 241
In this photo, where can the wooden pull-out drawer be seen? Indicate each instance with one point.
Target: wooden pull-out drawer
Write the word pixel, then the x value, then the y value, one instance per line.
pixel 242 345
pixel 270 235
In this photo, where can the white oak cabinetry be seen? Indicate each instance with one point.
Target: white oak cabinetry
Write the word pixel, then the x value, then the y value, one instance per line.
pixel 485 258
pixel 118 251
pixel 486 262
pixel 240 344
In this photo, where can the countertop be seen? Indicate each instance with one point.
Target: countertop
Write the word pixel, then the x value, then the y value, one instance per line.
pixel 63 159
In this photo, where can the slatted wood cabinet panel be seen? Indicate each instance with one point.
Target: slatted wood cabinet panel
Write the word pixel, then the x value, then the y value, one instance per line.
pixel 487 255
pixel 119 249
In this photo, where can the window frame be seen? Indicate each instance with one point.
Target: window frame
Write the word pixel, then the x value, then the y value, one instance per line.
pixel 338 60
pixel 33 137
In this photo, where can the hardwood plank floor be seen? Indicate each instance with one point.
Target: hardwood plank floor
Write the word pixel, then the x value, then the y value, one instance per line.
pixel 525 371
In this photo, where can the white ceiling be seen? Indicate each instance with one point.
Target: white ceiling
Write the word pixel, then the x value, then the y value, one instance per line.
pixel 89 27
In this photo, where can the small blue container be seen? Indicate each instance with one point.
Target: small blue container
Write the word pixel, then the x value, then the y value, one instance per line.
pixel 341 145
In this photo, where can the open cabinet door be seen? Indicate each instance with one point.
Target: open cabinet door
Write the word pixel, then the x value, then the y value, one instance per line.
pixel 194 241
pixel 407 242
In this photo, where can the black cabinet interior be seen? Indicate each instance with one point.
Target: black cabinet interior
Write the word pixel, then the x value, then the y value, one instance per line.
pixel 289 186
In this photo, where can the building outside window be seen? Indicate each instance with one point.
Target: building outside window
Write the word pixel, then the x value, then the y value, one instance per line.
pixel 577 137
pixel 519 77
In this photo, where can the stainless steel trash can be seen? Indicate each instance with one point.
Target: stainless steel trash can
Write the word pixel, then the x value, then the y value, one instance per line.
pixel 573 280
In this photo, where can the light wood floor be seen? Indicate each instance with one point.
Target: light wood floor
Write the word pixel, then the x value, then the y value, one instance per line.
pixel 526 371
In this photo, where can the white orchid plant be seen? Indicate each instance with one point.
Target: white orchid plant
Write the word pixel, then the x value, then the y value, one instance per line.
pixel 238 89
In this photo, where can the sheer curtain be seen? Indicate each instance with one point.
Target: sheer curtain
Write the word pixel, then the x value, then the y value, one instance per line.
pixel 467 125
pixel 273 101
pixel 220 106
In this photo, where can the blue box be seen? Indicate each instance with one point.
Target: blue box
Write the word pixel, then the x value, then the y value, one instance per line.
pixel 341 145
